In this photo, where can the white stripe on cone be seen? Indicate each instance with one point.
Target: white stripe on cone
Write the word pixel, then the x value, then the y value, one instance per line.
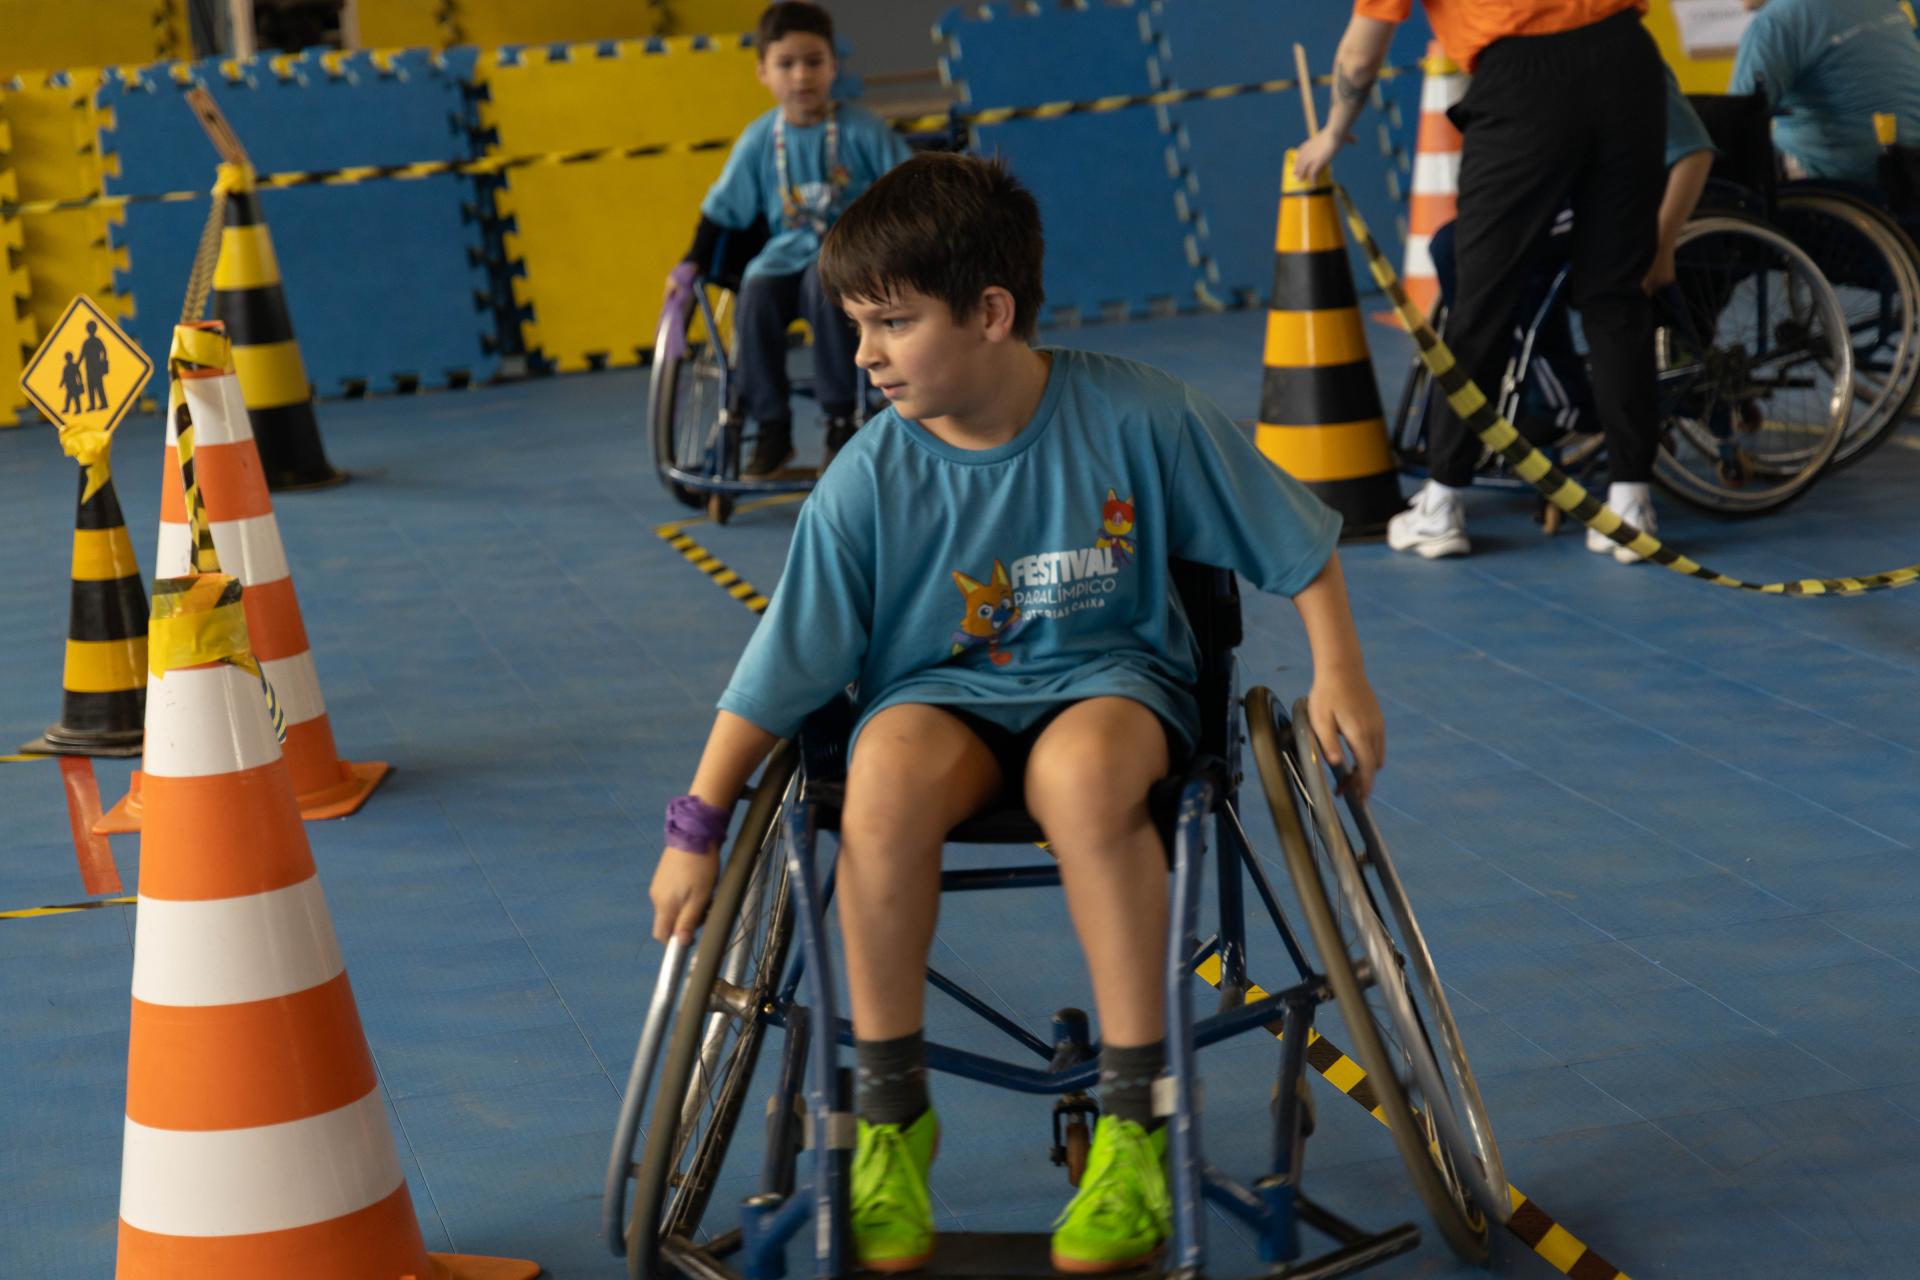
pixel 268 1178
pixel 249 549
pixel 206 721
pixel 1437 93
pixel 234 950
pixel 1419 257
pixel 1436 173
pixel 297 687
pixel 219 412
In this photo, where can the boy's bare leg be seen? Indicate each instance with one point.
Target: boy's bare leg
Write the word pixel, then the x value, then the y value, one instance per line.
pixel 916 773
pixel 1087 783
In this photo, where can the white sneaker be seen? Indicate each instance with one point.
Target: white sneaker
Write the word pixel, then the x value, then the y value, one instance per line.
pixel 1433 525
pixel 1634 504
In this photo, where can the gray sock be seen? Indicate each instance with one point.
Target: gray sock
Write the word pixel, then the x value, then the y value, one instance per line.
pixel 892 1079
pixel 1126 1081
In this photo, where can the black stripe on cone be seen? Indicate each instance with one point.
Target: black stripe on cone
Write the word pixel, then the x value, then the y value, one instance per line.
pixel 1311 273
pixel 102 722
pixel 287 436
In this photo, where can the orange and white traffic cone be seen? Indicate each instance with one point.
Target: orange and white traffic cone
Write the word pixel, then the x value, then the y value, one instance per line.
pixel 247 539
pixel 1436 173
pixel 256 1141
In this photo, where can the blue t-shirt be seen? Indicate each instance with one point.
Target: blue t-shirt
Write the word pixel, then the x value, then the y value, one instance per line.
pixel 1833 64
pixel 1685 132
pixel 749 186
pixel 1017 579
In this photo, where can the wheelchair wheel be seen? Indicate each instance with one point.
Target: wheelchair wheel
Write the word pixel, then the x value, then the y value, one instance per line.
pixel 1875 269
pixel 1755 369
pixel 687 400
pixel 1453 1163
pixel 718 1029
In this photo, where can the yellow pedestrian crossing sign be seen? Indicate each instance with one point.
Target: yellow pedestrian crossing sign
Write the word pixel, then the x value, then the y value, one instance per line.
pixel 88 372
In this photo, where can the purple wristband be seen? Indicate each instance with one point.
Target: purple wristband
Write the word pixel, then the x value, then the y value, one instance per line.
pixel 696 826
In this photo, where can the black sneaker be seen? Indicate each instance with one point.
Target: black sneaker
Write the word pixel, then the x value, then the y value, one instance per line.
pixel 772 447
pixel 839 431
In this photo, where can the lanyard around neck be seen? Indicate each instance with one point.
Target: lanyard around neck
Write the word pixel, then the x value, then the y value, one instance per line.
pixel 797 215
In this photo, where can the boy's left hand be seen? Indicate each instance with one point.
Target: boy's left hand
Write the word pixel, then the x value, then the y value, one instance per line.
pixel 1345 706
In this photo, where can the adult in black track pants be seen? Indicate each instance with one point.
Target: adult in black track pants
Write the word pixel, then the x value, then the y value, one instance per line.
pixel 1566 109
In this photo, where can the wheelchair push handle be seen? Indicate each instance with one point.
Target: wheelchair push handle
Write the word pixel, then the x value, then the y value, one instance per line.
pixel 613 1202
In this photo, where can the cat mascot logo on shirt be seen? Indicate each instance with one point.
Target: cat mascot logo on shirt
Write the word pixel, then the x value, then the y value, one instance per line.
pixel 991 618
pixel 1116 525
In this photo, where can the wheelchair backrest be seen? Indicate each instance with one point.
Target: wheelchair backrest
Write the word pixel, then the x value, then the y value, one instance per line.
pixel 1741 127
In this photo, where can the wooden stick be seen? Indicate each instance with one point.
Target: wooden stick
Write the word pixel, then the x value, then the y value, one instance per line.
pixel 1306 88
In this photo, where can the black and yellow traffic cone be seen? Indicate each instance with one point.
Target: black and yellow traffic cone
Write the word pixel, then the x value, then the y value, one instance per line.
pixel 1320 417
pixel 247 295
pixel 104 704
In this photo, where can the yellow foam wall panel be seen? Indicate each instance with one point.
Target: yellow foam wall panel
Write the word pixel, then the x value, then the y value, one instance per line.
pixel 18 334
pixel 596 240
pixel 1706 75
pixel 46 35
pixel 55 128
pixel 492 22
pixel 411 24
pixel 695 17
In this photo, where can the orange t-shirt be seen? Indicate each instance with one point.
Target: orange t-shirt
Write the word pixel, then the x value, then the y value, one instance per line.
pixel 1465 27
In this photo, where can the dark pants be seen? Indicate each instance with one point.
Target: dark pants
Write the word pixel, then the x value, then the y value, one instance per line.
pixel 768 304
pixel 1573 119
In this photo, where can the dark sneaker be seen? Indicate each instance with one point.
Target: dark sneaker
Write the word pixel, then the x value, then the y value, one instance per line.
pixel 839 431
pixel 772 448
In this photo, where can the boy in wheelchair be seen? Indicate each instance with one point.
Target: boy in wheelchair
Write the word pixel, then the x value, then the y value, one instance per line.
pixel 795 168
pixel 987 563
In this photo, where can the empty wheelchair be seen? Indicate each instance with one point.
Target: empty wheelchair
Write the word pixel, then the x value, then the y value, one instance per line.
pixel 761 971
pixel 1754 374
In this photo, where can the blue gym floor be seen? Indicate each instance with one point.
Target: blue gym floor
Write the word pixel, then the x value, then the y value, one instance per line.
pixel 1660 834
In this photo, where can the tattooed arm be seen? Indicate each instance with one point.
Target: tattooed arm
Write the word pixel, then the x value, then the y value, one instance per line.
pixel 1356 65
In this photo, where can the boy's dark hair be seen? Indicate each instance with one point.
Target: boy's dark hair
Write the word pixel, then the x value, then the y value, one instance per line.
pixel 791 17
pixel 948 226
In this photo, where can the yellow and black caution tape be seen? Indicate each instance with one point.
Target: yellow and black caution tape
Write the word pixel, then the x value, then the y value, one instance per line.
pixel 1529 1222
pixel 66 909
pixel 201 619
pixel 1555 486
pixel 705 561
pixel 25 759
pixel 487 166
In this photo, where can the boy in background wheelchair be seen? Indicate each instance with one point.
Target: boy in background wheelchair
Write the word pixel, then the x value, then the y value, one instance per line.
pixel 1831 66
pixel 987 562
pixel 795 168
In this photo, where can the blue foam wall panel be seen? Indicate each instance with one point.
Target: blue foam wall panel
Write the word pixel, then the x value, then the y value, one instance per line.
pixel 1116 239
pixel 1233 149
pixel 381 277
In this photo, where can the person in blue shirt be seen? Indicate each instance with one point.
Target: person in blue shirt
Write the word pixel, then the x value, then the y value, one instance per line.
pixel 796 167
pixel 987 564
pixel 1832 65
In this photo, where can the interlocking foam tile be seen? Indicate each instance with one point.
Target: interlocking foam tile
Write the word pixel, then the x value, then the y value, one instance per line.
pixel 1232 150
pixel 596 240
pixel 495 22
pixel 55 127
pixel 41 36
pixel 18 333
pixel 379 276
pixel 1116 230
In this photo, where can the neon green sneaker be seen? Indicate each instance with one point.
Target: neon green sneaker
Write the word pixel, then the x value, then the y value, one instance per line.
pixel 1123 1210
pixel 892 1212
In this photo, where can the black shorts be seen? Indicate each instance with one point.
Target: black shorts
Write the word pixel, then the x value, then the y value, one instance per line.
pixel 1011 750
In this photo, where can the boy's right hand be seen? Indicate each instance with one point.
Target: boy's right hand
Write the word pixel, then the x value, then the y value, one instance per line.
pixel 682 888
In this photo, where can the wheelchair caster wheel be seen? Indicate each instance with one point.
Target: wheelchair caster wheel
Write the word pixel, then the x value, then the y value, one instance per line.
pixel 719 507
pixel 1077 1142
